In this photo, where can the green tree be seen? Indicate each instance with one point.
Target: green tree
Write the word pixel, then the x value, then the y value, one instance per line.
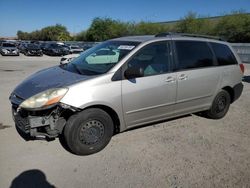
pixel 80 36
pixel 191 23
pixel 22 35
pixel 235 28
pixel 147 28
pixel 105 28
pixel 50 33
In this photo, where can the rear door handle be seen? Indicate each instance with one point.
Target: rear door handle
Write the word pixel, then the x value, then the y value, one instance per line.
pixel 170 79
pixel 183 77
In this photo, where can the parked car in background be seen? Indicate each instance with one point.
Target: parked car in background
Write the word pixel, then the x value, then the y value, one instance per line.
pixel 66 47
pixel 68 58
pixel 21 47
pixel 32 50
pixel 88 46
pixel 74 49
pixel 54 49
pixel 2 41
pixel 43 45
pixel 7 48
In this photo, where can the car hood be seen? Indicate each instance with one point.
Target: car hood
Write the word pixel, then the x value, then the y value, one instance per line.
pixel 54 77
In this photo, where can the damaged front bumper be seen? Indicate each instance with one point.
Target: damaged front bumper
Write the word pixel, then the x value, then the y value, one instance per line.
pixel 43 124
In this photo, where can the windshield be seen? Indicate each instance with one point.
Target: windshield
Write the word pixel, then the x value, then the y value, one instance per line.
pixel 8 45
pixel 101 58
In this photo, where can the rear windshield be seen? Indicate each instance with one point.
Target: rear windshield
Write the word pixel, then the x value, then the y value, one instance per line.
pixel 101 58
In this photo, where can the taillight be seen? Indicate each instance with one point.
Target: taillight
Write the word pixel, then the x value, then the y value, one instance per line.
pixel 242 68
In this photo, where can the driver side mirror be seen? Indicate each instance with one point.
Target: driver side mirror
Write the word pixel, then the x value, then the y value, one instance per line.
pixel 134 72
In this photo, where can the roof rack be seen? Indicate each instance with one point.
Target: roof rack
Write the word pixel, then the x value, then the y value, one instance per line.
pixel 171 34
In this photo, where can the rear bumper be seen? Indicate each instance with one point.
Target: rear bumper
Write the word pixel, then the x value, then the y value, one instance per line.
pixel 237 91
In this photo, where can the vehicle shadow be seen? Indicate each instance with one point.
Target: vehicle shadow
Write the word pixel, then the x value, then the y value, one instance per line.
pixel 31 178
pixel 246 79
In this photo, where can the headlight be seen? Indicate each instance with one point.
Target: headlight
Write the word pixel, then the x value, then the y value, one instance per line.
pixel 5 51
pixel 46 98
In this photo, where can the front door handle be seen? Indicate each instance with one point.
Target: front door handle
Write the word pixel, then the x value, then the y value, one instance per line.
pixel 183 77
pixel 170 79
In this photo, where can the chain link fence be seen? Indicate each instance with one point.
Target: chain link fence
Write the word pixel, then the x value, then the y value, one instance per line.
pixel 243 50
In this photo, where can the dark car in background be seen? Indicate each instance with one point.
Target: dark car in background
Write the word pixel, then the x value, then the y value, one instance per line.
pixel 21 47
pixel 32 50
pixel 88 46
pixel 54 49
pixel 7 48
pixel 43 45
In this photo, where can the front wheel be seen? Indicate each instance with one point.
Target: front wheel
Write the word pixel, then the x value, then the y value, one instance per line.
pixel 88 132
pixel 219 106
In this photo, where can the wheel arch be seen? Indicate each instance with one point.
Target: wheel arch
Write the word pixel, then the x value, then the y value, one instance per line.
pixel 230 91
pixel 114 116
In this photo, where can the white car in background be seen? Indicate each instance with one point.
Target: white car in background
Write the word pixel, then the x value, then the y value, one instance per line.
pixel 75 49
pixel 68 58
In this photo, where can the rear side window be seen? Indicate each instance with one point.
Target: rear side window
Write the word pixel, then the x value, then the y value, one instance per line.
pixel 223 54
pixel 193 54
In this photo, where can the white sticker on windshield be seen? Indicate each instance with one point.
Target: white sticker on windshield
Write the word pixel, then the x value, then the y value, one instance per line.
pixel 125 47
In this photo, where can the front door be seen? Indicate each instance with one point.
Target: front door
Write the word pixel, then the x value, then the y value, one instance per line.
pixel 151 97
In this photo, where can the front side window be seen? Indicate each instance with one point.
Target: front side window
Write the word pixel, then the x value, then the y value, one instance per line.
pixel 101 58
pixel 223 54
pixel 153 59
pixel 193 54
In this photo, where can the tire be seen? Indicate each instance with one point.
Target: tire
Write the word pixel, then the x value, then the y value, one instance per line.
pixel 219 106
pixel 88 132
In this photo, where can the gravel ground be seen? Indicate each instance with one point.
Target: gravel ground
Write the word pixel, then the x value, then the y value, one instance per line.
pixel 186 152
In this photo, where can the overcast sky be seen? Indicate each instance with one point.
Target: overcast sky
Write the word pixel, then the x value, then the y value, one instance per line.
pixel 76 15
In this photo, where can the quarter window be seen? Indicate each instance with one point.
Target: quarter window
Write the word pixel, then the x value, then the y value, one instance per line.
pixel 153 59
pixel 223 54
pixel 193 54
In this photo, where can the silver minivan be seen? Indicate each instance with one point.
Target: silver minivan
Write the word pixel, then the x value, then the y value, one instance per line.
pixel 127 82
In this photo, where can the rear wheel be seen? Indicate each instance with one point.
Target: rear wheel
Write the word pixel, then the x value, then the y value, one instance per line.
pixel 88 132
pixel 219 106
